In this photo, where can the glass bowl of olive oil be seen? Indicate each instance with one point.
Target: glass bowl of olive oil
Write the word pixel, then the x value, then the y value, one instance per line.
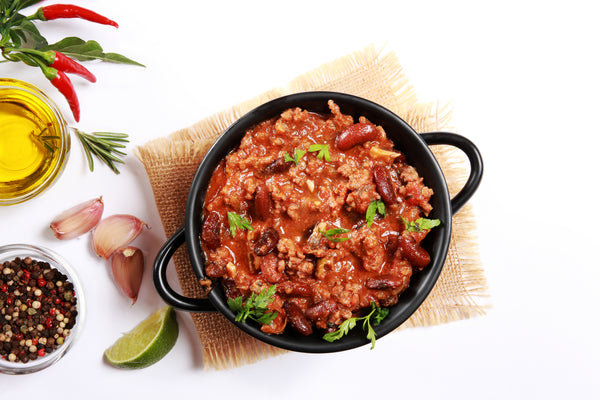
pixel 34 141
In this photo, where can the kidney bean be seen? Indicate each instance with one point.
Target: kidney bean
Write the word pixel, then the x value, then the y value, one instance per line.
pixel 211 230
pixel 384 185
pixel 294 289
pixel 383 282
pixel 230 288
pixel 391 244
pixel 321 310
pixel 268 268
pixel 413 252
pixel 296 318
pixel 356 134
pixel 262 202
pixel 267 242
pixel 278 166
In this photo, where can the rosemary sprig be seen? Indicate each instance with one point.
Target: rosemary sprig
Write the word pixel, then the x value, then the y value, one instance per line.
pixel 46 140
pixel 105 146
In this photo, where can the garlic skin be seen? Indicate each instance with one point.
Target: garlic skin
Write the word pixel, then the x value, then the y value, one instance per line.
pixel 127 266
pixel 115 232
pixel 78 220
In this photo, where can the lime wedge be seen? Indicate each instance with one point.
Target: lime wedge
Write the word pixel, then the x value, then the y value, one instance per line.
pixel 147 343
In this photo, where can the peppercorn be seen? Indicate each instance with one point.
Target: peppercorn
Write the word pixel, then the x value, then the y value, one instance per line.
pixel 35 317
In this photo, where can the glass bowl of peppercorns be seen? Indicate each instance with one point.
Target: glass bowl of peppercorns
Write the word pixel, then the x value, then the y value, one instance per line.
pixel 41 308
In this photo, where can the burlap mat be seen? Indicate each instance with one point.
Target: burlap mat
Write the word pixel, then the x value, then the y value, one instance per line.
pixel 171 162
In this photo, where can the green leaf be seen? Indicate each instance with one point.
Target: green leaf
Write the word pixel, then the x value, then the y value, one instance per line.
pixel 298 154
pixel 380 314
pixel 376 206
pixel 31 34
pixel 376 312
pixel 237 222
pixel 420 224
pixel 323 151
pixel 332 234
pixel 255 307
pixel 82 50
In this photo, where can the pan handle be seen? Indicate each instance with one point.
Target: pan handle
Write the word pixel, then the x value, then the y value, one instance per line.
pixel 472 152
pixel 159 276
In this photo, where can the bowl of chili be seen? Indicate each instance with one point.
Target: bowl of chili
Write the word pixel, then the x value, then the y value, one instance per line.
pixel 416 149
pixel 42 308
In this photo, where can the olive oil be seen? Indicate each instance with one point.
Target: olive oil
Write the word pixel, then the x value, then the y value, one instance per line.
pixel 34 141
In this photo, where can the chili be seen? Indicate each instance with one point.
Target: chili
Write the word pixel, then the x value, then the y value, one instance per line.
pixel 61 81
pixel 56 11
pixel 327 224
pixel 66 64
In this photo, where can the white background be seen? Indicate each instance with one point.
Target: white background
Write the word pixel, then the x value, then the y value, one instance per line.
pixel 522 77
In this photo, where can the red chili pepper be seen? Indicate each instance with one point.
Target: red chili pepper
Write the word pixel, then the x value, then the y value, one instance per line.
pixel 56 11
pixel 61 81
pixel 66 64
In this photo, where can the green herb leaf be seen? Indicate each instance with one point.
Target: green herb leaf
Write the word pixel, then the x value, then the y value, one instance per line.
pixel 30 34
pixel 298 154
pixel 82 50
pixel 378 315
pixel 420 224
pixel 237 222
pixel 255 307
pixel 376 206
pixel 104 145
pixel 323 151
pixel 332 234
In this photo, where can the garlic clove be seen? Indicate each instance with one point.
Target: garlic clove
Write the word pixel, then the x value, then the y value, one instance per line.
pixel 78 220
pixel 115 232
pixel 127 266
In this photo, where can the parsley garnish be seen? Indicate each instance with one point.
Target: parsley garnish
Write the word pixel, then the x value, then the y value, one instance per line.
pixel 378 315
pixel 236 221
pixel 255 307
pixel 323 150
pixel 376 206
pixel 420 224
pixel 298 154
pixel 332 234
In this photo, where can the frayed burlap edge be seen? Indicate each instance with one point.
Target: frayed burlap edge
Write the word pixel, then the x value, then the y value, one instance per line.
pixel 369 73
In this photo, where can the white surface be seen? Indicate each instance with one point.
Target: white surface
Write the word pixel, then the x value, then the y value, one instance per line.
pixel 522 77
